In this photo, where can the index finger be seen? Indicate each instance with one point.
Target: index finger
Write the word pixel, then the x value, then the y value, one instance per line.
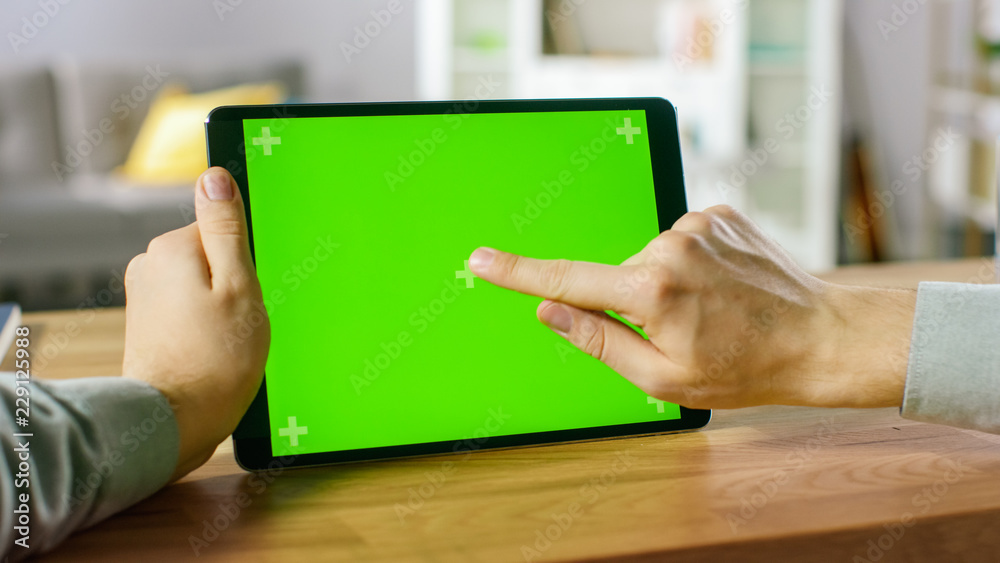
pixel 583 284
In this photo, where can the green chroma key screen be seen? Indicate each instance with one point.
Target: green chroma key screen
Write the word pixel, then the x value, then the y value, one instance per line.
pixel 381 335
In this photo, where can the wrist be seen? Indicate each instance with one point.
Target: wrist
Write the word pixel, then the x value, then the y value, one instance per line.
pixel 194 449
pixel 864 345
pixel 197 438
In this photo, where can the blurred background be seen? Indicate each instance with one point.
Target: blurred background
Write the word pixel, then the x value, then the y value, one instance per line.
pixel 851 131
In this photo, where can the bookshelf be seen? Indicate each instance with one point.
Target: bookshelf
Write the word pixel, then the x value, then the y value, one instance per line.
pixel 965 102
pixel 794 101
pixel 734 69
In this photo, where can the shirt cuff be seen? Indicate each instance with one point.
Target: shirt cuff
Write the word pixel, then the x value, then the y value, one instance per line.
pixel 953 375
pixel 134 425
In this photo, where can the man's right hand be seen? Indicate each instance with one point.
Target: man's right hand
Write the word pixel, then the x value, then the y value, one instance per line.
pixel 732 320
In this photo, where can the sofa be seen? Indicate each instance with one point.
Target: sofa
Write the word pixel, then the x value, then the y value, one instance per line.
pixel 69 220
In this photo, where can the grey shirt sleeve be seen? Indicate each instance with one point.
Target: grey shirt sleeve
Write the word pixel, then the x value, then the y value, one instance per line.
pixel 953 375
pixel 96 446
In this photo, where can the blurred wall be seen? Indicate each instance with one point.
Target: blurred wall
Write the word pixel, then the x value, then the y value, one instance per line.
pixel 66 239
pixel 147 31
pixel 887 80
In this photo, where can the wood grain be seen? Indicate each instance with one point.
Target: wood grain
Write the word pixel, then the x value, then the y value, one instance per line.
pixel 759 484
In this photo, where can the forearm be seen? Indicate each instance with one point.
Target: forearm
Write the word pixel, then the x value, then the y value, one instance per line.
pixel 849 349
pixel 96 446
pixel 931 352
pixel 873 344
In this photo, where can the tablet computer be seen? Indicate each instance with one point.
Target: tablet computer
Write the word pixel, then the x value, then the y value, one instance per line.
pixel 362 219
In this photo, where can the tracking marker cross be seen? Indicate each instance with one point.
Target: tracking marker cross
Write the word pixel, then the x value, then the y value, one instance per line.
pixel 266 140
pixel 293 431
pixel 629 131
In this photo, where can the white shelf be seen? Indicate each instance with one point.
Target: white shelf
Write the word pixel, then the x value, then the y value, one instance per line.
pixel 977 114
pixel 781 69
pixel 478 61
pixel 798 46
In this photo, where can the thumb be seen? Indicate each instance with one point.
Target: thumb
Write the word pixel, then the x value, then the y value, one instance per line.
pixel 222 225
pixel 611 342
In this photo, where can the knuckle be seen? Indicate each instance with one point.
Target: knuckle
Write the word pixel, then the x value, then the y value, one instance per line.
pixel 652 282
pixel 224 227
pixel 594 339
pixel 133 264
pixel 657 287
pixel 170 241
pixel 237 288
pixel 672 245
pixel 688 245
pixel 158 245
pixel 694 221
pixel 132 269
pixel 659 248
pixel 507 266
pixel 723 210
pixel 554 278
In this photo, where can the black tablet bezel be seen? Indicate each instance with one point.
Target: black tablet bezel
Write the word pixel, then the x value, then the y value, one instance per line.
pixel 224 132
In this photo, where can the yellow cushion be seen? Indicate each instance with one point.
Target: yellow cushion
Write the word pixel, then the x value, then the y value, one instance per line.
pixel 170 148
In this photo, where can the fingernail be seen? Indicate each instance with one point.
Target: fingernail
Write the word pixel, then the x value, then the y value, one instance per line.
pixel 217 186
pixel 557 318
pixel 481 259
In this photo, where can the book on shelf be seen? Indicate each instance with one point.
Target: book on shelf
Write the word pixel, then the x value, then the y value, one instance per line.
pixel 10 319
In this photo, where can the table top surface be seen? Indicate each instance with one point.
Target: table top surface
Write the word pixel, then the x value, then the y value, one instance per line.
pixel 765 483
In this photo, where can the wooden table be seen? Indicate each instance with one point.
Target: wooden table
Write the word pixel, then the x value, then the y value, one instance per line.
pixel 759 484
